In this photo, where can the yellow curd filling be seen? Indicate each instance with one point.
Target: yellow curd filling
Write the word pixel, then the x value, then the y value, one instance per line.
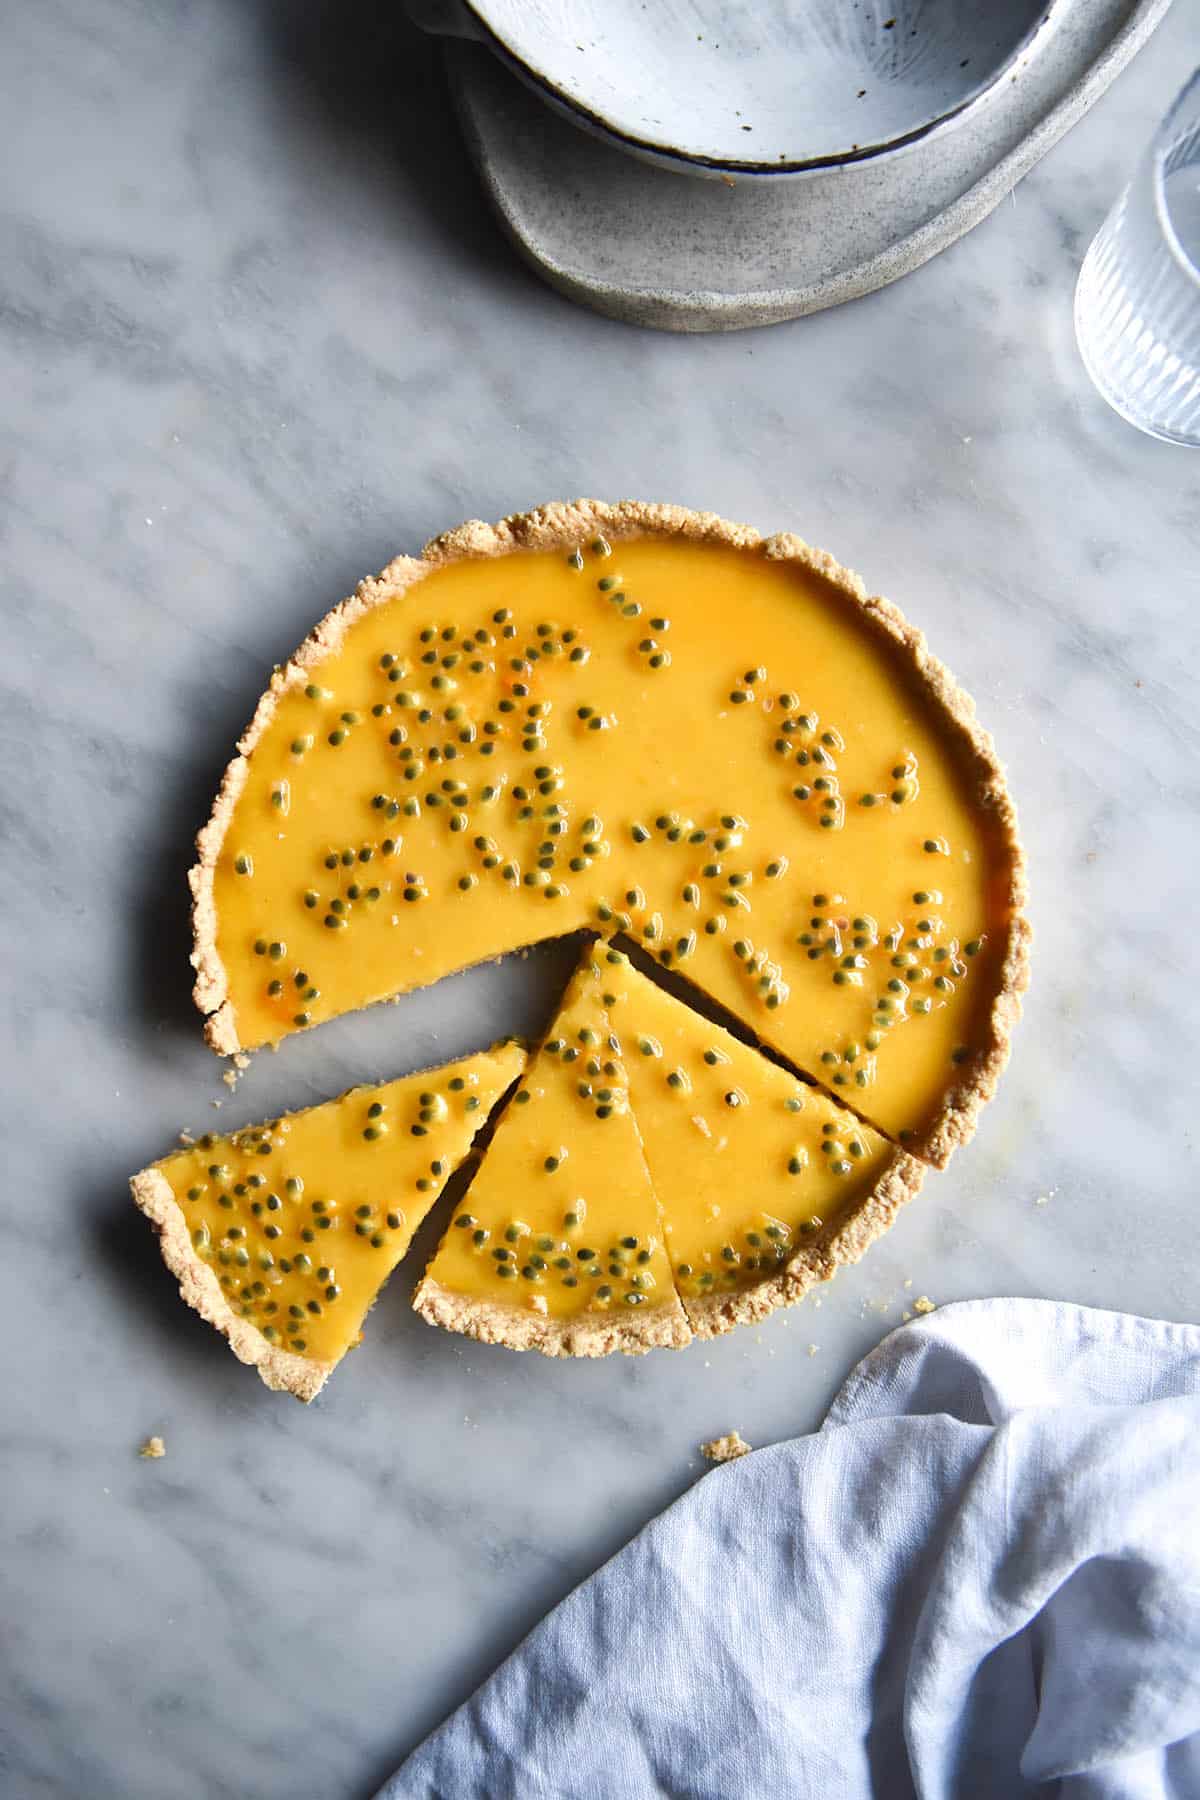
pixel 748 1163
pixel 648 1152
pixel 561 1218
pixel 711 750
pixel 303 1219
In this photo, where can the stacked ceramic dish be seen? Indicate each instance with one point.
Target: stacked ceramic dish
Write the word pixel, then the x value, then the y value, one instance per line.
pixel 823 150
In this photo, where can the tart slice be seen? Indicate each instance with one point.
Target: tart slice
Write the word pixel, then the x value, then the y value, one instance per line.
pixel 283 1234
pixel 765 1183
pixel 559 1244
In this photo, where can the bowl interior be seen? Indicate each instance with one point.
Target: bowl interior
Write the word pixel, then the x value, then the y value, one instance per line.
pixel 775 83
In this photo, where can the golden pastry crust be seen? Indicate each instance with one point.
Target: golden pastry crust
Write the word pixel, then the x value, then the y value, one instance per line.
pixel 583 1334
pixel 303 1376
pixel 561 526
pixel 819 1260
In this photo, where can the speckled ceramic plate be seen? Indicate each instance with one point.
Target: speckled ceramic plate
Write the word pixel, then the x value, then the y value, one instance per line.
pixel 662 249
pixel 764 90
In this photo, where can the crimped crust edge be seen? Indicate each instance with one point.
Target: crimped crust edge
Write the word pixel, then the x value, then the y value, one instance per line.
pixel 818 1261
pixel 584 1334
pixel 280 1369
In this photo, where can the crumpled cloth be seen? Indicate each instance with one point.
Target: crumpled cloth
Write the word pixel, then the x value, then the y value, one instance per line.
pixel 979 1579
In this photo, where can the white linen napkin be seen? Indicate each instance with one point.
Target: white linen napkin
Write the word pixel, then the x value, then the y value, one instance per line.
pixel 980 1580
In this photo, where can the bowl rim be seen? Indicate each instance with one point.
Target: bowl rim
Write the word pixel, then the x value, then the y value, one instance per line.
pixel 693 162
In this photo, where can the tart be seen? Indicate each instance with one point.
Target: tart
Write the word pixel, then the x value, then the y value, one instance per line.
pixel 639 719
pixel 282 1235
pixel 559 1244
pixel 648 1155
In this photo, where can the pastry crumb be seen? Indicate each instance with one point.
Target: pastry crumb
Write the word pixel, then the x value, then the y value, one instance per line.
pixel 186 1138
pixel 726 1449
pixel 813 1348
pixel 153 1448
pixel 923 1304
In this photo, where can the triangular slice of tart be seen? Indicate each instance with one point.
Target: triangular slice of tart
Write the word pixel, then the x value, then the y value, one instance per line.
pixel 765 1183
pixel 558 1245
pixel 283 1234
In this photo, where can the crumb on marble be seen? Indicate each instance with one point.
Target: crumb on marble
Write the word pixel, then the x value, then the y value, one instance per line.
pixel 726 1449
pixel 152 1449
pixel 923 1304
pixel 186 1138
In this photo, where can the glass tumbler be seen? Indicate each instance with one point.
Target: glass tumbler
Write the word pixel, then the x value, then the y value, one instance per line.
pixel 1137 303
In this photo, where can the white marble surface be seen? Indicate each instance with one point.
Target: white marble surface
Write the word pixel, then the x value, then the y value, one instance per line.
pixel 257 332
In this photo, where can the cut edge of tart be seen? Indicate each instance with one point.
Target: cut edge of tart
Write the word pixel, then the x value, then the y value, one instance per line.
pixel 282 1368
pixel 562 526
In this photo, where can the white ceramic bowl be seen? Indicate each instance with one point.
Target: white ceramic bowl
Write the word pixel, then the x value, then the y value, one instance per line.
pixel 767 88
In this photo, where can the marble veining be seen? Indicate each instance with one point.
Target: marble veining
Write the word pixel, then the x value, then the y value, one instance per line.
pixel 257 333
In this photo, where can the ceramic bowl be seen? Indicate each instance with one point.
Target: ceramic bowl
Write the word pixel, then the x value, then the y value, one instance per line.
pixel 766 89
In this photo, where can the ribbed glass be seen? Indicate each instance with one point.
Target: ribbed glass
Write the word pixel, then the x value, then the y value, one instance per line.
pixel 1137 304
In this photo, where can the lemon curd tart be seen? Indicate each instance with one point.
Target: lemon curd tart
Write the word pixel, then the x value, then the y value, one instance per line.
pixel 655 1179
pixel 282 1235
pixel 679 738
pixel 642 719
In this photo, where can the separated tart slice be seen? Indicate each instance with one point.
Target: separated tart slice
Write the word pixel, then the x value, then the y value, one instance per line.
pixel 766 1185
pixel 558 1245
pixel 631 718
pixel 282 1235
